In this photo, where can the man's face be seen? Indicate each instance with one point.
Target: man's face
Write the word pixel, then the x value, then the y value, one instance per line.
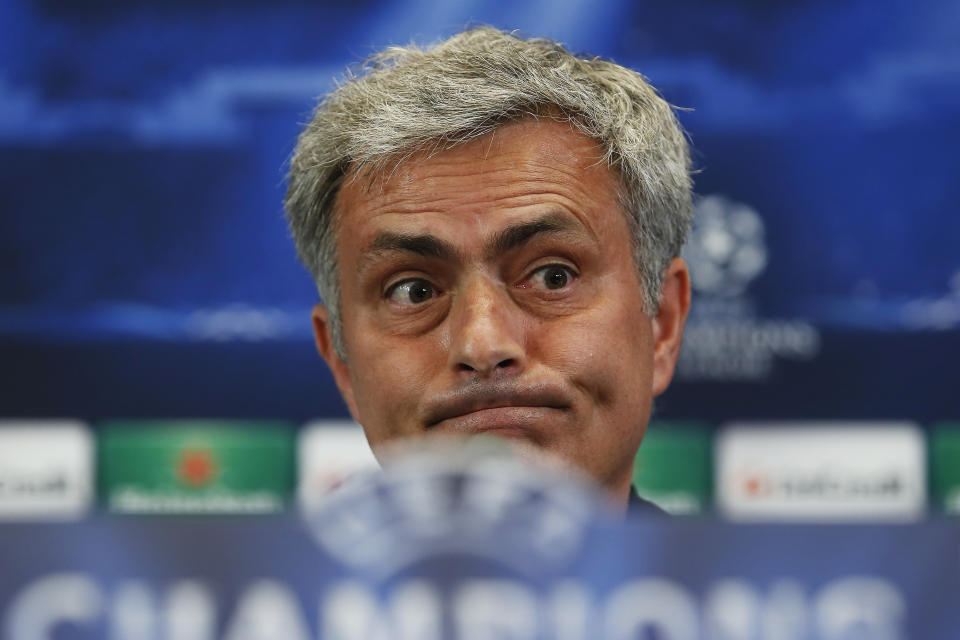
pixel 491 288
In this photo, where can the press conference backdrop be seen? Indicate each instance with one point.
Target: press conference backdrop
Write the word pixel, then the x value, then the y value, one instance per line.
pixel 148 276
pixel 147 271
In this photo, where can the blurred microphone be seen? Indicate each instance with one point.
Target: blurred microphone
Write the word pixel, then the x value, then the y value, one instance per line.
pixel 458 498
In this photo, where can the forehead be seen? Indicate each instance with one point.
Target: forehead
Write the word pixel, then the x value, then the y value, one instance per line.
pixel 522 165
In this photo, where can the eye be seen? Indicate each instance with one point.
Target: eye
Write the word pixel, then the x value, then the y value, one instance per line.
pixel 551 276
pixel 411 291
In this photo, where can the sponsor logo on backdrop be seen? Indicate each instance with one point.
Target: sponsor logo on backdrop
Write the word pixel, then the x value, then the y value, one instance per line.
pixel 329 452
pixel 725 339
pixel 46 470
pixel 944 467
pixel 821 471
pixel 672 467
pixel 196 466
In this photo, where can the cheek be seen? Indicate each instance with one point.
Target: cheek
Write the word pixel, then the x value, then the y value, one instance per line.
pixel 389 376
pixel 606 351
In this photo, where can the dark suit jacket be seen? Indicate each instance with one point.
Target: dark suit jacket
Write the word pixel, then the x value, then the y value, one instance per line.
pixel 637 506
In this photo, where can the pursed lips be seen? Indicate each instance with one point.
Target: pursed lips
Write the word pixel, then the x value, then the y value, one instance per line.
pixel 503 409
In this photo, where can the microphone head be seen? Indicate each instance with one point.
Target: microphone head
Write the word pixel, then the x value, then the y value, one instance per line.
pixel 454 497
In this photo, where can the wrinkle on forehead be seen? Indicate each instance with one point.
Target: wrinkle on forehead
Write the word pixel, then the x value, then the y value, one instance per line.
pixel 524 163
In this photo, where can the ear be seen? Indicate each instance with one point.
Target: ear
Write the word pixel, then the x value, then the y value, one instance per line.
pixel 669 322
pixel 323 336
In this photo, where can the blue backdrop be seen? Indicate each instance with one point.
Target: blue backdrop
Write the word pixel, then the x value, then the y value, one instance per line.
pixel 147 270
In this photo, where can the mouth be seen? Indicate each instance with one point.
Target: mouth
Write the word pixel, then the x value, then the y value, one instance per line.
pixel 502 409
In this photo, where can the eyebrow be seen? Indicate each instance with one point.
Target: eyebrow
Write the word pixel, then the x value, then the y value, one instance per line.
pixel 423 245
pixel 518 235
pixel 430 246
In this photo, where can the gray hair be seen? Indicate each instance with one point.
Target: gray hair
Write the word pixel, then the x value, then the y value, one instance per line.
pixel 409 99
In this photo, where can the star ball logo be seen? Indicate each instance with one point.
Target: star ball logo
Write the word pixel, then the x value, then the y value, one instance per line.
pixel 726 250
pixel 475 501
pixel 725 339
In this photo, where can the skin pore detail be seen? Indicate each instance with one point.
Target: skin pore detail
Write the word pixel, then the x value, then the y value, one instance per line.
pixel 492 288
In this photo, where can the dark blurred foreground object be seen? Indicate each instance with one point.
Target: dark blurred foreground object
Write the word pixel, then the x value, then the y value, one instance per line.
pixel 479 541
pixel 477 497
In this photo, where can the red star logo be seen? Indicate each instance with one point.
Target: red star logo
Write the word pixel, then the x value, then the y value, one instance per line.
pixel 197 467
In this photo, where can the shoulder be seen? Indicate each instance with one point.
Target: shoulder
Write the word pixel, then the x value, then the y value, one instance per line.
pixel 638 506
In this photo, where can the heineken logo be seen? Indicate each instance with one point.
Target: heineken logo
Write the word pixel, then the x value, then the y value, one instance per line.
pixel 197 468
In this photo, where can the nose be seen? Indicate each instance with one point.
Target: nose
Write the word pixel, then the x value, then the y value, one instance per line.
pixel 486 331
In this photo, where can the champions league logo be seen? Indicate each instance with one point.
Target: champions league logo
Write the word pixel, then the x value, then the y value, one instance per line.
pixel 725 339
pixel 726 249
pixel 468 499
